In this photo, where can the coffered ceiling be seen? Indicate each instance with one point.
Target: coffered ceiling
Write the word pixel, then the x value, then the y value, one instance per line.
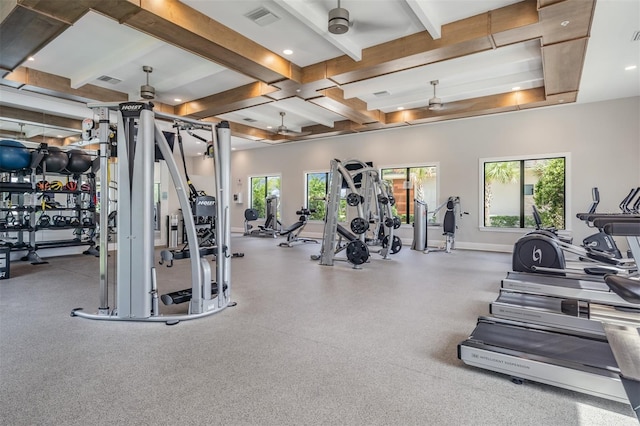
pixel 223 59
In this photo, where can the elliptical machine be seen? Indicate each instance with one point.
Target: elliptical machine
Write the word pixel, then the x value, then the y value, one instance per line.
pixel 601 241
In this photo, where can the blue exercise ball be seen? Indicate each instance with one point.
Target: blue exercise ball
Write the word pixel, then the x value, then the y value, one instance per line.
pixel 13 155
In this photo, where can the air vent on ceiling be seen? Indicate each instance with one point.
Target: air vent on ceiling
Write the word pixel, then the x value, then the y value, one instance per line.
pixel 262 16
pixel 250 120
pixel 382 93
pixel 636 36
pixel 107 79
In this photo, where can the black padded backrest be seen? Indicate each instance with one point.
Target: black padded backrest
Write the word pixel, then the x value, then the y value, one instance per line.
pixel 251 214
pixel 292 228
pixel 449 222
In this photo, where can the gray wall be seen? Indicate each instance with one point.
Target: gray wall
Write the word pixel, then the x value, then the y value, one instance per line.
pixel 602 139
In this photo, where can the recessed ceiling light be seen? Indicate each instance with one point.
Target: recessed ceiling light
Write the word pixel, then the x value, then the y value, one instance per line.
pixel 630 67
pixel 59 136
pixel 31 58
pixel 269 127
pixel 178 100
pixel 198 142
pixel 400 108
pixel 233 149
pixel 515 88
pixel 298 90
pixel 564 23
pixel 287 52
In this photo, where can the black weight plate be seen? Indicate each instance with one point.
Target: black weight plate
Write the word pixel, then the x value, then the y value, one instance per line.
pixel 396 245
pixel 357 252
pixel 359 225
pixel 396 222
pixel 353 199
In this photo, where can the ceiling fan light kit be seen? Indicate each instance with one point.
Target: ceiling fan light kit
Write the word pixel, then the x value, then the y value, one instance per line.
pixel 338 20
pixel 147 91
pixel 435 103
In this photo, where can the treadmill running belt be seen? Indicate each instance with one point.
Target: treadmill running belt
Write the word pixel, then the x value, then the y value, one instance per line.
pixel 560 347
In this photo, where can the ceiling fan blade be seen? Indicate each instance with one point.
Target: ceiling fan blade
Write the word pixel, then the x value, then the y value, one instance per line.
pixel 368 27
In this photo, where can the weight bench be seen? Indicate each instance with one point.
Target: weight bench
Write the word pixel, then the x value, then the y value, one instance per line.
pixel 294 230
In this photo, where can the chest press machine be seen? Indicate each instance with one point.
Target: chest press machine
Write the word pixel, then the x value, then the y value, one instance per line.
pixel 136 297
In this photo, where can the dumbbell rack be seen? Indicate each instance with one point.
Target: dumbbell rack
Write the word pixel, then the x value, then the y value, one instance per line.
pixel 24 214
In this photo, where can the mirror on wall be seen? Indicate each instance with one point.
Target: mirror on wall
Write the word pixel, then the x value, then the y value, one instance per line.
pixel 29 131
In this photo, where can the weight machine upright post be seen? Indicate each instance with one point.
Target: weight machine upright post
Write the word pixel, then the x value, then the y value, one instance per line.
pixel 331 221
pixel 104 153
pixel 223 229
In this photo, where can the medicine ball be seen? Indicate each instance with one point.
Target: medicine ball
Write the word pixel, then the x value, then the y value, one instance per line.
pixel 79 161
pixel 43 185
pixel 56 160
pixel 71 186
pixel 56 185
pixel 13 155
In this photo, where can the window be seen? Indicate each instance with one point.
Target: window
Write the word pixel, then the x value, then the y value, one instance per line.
pixel 317 187
pixel 409 183
pixel 511 187
pixel 261 187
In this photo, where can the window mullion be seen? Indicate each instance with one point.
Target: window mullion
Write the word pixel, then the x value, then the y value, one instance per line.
pixel 521 193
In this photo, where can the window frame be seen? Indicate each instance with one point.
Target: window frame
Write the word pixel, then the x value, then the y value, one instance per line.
pixel 343 206
pixel 407 167
pixel 306 188
pixel 520 158
pixel 264 176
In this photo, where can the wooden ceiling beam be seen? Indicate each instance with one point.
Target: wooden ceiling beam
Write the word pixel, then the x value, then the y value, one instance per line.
pixel 44 118
pixel 231 100
pixel 562 65
pixel 515 23
pixel 180 25
pixel 242 130
pixel 24 31
pixel 54 85
pixel 491 104
pixel 354 109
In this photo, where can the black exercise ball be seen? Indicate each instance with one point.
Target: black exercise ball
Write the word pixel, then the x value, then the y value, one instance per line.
pixel 79 161
pixel 13 155
pixel 56 160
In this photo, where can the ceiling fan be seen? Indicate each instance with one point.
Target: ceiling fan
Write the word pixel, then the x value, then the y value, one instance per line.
pixel 338 20
pixel 284 131
pixel 339 23
pixel 147 91
pixel 435 103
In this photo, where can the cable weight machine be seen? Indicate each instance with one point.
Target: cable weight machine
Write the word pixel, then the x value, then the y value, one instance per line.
pixel 136 296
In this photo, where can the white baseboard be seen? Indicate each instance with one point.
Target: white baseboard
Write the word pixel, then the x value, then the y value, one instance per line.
pixel 406 242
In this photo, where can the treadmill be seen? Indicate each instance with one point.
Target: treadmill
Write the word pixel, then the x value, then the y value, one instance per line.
pixel 578 361
pixel 570 313
pixel 604 364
